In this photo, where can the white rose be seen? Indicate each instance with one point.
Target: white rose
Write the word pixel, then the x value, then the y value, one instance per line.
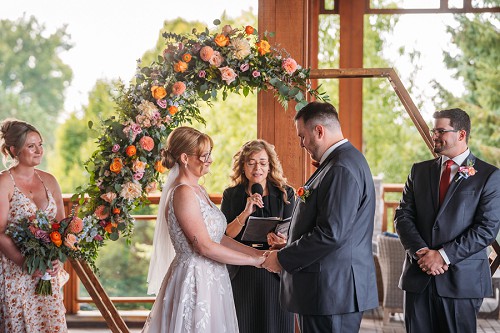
pixel 131 190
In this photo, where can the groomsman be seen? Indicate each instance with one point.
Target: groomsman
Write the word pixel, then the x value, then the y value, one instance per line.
pixel 448 215
pixel 328 275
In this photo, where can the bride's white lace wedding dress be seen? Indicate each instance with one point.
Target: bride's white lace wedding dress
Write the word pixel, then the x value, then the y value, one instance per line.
pixel 196 294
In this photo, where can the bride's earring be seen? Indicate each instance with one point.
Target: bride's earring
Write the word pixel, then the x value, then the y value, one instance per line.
pixel 186 165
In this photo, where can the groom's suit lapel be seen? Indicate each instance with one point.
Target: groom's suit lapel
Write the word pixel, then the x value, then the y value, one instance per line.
pixel 435 174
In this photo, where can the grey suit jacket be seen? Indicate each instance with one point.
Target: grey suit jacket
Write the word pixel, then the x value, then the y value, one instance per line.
pixel 328 262
pixel 464 225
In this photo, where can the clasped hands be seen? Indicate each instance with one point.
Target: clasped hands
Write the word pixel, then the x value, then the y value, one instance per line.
pixel 269 261
pixel 431 262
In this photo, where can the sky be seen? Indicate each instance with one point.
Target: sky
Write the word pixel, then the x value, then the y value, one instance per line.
pixel 110 35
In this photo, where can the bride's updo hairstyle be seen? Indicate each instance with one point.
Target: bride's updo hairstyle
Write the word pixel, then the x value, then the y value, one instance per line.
pixel 13 133
pixel 184 140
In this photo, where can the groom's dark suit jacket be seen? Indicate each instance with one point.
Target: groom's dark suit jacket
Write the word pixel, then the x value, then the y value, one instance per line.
pixel 328 262
pixel 464 225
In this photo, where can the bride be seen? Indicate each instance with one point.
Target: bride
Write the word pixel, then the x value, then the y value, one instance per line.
pixel 195 295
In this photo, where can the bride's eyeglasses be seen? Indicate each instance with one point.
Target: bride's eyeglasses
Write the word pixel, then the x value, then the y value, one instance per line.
pixel 205 158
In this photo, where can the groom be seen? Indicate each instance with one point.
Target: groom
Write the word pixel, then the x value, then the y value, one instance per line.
pixel 328 274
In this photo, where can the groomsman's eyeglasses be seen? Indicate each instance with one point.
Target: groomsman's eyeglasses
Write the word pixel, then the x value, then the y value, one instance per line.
pixel 441 131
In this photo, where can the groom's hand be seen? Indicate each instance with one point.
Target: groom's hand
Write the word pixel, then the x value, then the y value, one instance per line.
pixel 272 264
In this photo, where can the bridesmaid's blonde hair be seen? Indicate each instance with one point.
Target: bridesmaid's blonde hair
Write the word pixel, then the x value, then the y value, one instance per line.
pixel 13 134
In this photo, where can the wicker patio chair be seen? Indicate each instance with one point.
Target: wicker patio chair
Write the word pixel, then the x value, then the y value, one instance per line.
pixel 391 257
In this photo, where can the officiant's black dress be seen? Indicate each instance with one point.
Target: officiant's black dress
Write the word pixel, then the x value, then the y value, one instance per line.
pixel 255 290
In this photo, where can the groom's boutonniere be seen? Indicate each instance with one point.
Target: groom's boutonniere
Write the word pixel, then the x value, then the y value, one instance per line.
pixel 466 171
pixel 303 192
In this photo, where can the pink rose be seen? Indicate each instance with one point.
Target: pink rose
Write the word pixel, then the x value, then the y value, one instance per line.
pixel 255 73
pixel 228 74
pixel 244 67
pixel 98 238
pixel 70 241
pixel 206 53
pixel 178 88
pixel 147 143
pixel 42 235
pixel 138 175
pixel 289 65
pixel 116 147
pixel 202 74
pixel 216 60
pixel 226 30
pixel 162 103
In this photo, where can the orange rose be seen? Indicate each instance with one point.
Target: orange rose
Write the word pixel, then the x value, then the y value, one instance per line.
pixel 180 67
pixel 158 92
pixel 221 40
pixel 186 57
pixel 159 167
pixel 55 237
pixel 263 47
pixel 300 191
pixel 109 227
pixel 116 165
pixel 172 109
pixel 116 210
pixel 249 30
pixel 130 151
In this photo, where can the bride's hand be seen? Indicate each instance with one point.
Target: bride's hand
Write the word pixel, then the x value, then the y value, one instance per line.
pixel 259 259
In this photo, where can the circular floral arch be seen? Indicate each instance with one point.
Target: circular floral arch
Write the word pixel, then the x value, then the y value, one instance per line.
pixel 193 67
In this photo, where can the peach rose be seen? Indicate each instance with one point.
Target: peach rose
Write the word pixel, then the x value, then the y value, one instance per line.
pixel 178 88
pixel 158 92
pixel 116 165
pixel 70 241
pixel 263 47
pixel 159 167
pixel 206 53
pixel 217 59
pixel 130 151
pixel 55 237
pixel 131 190
pixel 151 187
pixel 228 74
pixel 180 67
pixel 108 197
pixel 241 48
pixel 101 212
pixel 147 143
pixel 289 65
pixel 221 40
pixel 249 30
pixel 138 166
pixel 116 210
pixel 76 225
pixel 172 109
pixel 186 57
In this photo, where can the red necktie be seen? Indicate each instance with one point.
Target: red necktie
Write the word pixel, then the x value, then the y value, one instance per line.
pixel 445 181
pixel 315 164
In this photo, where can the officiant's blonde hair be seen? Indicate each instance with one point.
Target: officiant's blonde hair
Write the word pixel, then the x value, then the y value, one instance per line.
pixel 182 140
pixel 275 175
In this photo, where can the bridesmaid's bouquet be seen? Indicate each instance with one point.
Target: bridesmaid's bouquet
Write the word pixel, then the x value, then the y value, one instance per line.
pixel 42 240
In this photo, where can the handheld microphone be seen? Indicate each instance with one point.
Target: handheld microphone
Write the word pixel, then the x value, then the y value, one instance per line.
pixel 257 188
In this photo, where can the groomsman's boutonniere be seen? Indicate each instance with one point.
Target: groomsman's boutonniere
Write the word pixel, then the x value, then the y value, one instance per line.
pixel 303 192
pixel 466 171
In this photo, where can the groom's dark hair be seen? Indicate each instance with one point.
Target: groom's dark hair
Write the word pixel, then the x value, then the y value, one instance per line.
pixel 319 112
pixel 459 120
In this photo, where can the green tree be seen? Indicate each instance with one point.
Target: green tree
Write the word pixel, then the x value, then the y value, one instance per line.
pixel 477 65
pixel 76 142
pixel 32 75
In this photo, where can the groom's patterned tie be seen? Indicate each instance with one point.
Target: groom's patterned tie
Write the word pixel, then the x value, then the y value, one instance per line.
pixel 445 181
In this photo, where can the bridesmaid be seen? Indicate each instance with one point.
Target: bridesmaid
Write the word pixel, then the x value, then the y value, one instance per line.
pixel 256 291
pixel 24 190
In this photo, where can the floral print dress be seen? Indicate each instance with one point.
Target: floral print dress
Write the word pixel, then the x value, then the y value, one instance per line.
pixel 21 310
pixel 196 294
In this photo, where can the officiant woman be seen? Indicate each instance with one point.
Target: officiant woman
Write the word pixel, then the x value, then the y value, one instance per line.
pixel 26 189
pixel 256 291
